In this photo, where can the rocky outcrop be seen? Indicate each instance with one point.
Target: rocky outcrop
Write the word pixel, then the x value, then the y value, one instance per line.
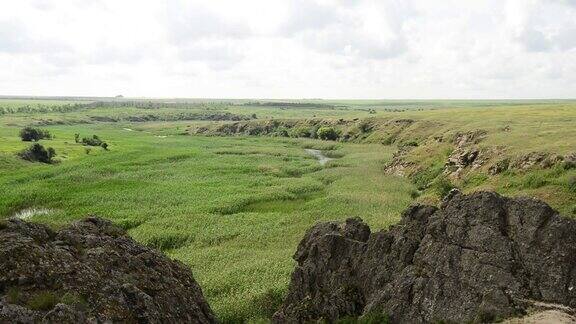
pixel 469 138
pixel 91 272
pixel 479 257
pixel 540 160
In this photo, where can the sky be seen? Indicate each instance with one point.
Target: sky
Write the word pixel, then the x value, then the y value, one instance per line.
pixel 385 49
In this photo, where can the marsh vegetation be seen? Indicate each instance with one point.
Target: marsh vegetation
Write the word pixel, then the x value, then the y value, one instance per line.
pixel 228 187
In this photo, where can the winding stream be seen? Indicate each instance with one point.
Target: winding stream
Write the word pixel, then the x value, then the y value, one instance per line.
pixel 322 159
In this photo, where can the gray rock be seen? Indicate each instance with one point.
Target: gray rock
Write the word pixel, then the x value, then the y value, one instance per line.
pixel 478 258
pixel 91 272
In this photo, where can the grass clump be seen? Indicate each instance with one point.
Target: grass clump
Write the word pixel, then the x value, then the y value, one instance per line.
pixel 534 181
pixel 572 184
pixel 13 296
pixel 43 301
pixel 442 186
pixel 74 299
pixel 168 241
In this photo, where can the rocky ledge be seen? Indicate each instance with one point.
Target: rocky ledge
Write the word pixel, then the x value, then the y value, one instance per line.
pixel 91 272
pixel 478 258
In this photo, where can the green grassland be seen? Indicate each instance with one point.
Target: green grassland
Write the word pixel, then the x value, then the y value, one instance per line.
pixel 234 208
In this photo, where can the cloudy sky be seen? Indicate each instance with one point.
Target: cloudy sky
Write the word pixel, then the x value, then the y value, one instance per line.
pixel 289 49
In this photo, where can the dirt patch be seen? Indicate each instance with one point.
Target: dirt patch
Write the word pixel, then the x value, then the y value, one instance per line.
pixel 30 212
pixel 545 317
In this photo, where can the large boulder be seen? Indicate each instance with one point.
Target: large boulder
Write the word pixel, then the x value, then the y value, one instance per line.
pixel 91 272
pixel 479 257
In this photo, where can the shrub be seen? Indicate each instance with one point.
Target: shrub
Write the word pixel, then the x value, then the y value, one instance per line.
pixel 29 134
pixel 442 186
pixel 327 133
pixel 300 131
pixel 37 153
pixel 94 141
pixel 365 126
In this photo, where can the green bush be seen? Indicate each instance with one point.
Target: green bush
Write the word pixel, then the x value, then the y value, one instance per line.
pixel 94 141
pixel 442 186
pixel 327 133
pixel 37 153
pixel 300 131
pixel 29 134
pixel 364 126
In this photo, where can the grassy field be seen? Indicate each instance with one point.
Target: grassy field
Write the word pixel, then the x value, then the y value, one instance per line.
pixel 235 208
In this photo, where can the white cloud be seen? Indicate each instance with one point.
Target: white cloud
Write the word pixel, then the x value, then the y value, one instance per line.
pixel 284 48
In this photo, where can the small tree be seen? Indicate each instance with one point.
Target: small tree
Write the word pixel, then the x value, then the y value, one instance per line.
pixel 37 153
pixel 29 134
pixel 327 133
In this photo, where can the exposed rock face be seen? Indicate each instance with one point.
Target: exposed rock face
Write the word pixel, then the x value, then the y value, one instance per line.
pixel 536 159
pixel 480 257
pixel 471 137
pixel 462 158
pixel 91 272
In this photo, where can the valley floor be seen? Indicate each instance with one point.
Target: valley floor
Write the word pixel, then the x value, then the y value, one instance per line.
pixel 233 209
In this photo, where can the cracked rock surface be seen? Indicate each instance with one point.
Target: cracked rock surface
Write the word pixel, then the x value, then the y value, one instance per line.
pixel 91 272
pixel 478 258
